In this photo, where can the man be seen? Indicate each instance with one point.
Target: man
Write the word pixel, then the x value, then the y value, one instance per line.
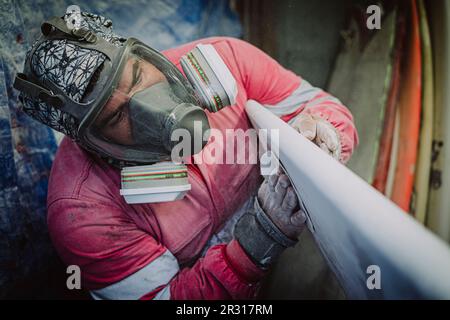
pixel 106 93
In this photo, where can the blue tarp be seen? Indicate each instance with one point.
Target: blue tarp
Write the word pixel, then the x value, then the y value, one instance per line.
pixel 27 148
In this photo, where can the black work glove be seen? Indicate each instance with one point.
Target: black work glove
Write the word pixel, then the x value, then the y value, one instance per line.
pixel 273 224
pixel 278 200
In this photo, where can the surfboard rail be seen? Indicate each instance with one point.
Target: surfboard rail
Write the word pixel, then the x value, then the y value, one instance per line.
pixel 355 226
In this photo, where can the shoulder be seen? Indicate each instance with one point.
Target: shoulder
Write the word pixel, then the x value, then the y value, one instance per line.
pixel 89 223
pixel 222 44
pixel 244 60
pixel 233 51
pixel 75 173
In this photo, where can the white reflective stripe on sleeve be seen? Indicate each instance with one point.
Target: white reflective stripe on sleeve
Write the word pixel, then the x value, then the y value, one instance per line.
pixel 157 273
pixel 304 93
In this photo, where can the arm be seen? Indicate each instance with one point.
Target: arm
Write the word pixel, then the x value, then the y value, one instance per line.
pixel 288 96
pixel 120 261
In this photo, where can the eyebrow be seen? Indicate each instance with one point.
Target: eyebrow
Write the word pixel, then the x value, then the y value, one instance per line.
pixel 135 79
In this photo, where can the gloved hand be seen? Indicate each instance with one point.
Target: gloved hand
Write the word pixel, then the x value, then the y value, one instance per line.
pixel 273 223
pixel 278 200
pixel 319 131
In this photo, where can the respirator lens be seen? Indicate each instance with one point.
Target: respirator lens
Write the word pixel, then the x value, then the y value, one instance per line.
pixel 149 101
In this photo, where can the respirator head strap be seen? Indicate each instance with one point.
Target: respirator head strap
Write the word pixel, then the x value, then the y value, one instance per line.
pixel 56 28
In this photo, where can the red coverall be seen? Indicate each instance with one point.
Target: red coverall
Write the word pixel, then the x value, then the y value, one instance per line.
pixel 153 251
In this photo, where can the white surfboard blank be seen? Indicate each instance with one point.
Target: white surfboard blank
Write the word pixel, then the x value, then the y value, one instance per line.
pixel 375 249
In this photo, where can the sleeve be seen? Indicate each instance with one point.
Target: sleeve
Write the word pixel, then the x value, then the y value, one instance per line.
pixel 120 261
pixel 287 95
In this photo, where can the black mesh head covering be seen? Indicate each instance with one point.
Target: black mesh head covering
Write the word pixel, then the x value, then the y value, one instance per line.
pixel 70 67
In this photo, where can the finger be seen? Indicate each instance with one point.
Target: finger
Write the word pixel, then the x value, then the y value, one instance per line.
pixel 324 147
pixel 306 125
pixel 262 192
pixel 327 135
pixel 273 179
pixel 280 170
pixel 280 188
pixel 284 181
pixel 298 219
pixel 290 200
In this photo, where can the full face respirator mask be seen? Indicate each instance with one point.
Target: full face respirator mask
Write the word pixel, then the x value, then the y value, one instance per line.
pixel 139 98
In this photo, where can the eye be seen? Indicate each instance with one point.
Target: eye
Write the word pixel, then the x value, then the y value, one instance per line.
pixel 118 116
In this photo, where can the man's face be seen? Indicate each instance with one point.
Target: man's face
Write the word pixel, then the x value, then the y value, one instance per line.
pixel 114 121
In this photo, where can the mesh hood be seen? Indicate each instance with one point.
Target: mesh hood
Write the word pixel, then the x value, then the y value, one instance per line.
pixel 70 67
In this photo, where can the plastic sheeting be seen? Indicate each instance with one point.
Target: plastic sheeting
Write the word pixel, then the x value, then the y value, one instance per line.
pixel 27 148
